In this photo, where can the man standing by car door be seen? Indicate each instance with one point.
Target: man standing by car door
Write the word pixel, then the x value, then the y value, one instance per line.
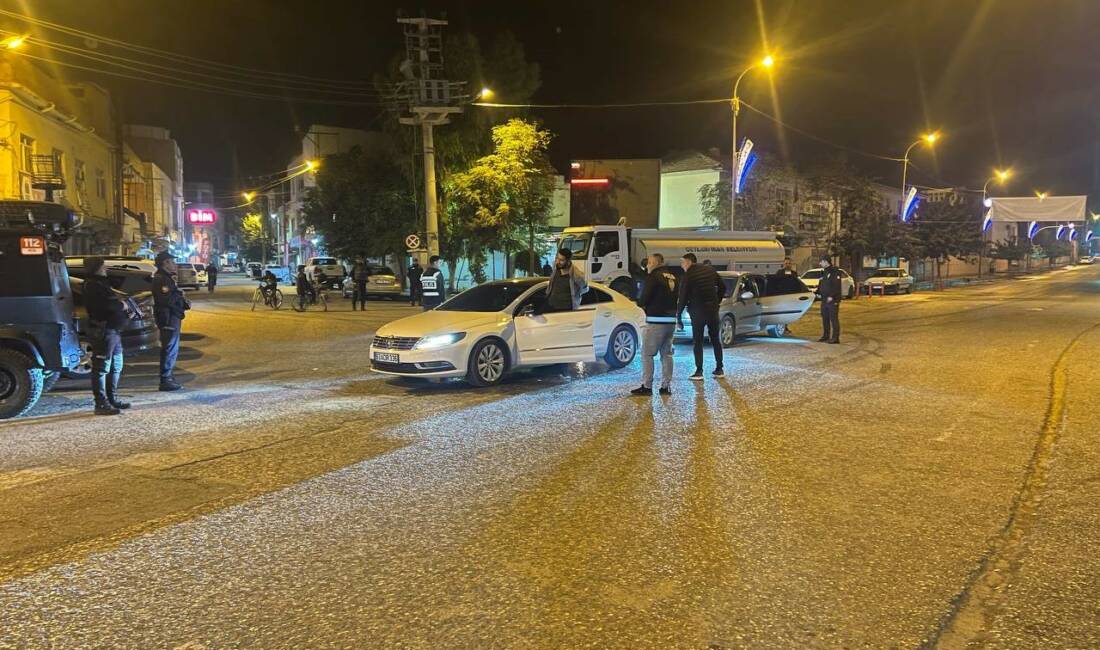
pixel 567 284
pixel 107 316
pixel 659 302
pixel 432 291
pixel 169 307
pixel 701 292
pixel 829 289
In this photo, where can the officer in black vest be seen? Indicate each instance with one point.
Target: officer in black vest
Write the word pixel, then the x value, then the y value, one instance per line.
pixel 108 315
pixel 169 307
pixel 432 290
pixel 829 290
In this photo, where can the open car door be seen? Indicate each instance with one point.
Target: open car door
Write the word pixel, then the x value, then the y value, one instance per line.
pixel 552 337
pixel 784 300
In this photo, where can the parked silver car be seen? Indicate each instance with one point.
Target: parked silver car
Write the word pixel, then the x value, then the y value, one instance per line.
pixel 382 282
pixel 757 303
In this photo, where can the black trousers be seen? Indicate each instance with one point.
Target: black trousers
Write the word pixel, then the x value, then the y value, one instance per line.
pixel 360 295
pixel 830 320
pixel 414 292
pixel 706 319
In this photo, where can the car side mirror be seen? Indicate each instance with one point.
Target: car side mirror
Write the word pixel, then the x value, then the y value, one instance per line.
pixel 748 295
pixel 526 310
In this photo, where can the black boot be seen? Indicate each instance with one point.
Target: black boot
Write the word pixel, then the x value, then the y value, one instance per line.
pixel 99 391
pixel 168 384
pixel 112 392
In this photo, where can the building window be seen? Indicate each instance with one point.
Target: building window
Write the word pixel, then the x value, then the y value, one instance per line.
pixel 80 178
pixel 100 184
pixel 26 150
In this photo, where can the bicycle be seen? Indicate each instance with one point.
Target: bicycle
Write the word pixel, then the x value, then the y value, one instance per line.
pixel 273 300
pixel 316 297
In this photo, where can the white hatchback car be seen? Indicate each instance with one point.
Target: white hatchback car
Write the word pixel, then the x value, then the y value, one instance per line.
pixel 756 303
pixel 812 277
pixel 484 332
pixel 889 280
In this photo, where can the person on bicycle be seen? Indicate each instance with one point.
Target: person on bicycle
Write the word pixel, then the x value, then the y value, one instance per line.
pixel 268 284
pixel 304 287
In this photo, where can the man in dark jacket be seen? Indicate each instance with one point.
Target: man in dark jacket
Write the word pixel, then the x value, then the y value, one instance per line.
pixel 701 292
pixel 169 307
pixel 829 289
pixel 432 290
pixel 108 315
pixel 414 273
pixel 359 274
pixel 211 275
pixel 658 299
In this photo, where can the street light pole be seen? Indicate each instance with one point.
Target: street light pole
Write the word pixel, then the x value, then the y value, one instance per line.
pixel 735 104
pixel 999 175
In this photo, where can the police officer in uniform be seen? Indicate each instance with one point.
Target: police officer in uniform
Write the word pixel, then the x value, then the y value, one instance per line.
pixel 107 316
pixel 169 307
pixel 829 289
pixel 432 291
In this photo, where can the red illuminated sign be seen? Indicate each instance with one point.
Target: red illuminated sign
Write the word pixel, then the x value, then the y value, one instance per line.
pixel 201 217
pixel 32 246
pixel 590 181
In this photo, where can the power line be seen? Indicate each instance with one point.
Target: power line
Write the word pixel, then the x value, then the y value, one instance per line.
pixel 200 86
pixel 615 105
pixel 140 66
pixel 164 54
pixel 811 136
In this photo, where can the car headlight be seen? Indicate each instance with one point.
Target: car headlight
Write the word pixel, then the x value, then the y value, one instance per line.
pixel 439 341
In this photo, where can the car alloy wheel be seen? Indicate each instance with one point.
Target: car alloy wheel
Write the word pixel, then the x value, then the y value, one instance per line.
pixel 623 347
pixel 488 362
pixel 778 331
pixel 727 331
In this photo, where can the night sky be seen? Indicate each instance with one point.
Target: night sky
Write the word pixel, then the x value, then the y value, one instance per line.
pixel 1010 82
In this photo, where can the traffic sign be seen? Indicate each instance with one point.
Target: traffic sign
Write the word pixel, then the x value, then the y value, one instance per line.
pixel 412 241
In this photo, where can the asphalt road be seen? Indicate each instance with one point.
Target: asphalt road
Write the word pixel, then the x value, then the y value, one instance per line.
pixel 932 481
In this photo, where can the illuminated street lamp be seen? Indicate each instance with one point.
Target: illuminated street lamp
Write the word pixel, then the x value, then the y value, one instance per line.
pixel 927 138
pixel 312 165
pixel 248 196
pixel 1041 195
pixel 486 93
pixel 768 62
pixel 13 42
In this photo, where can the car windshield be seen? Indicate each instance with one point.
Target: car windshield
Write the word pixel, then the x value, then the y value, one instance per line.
pixel 886 273
pixel 380 270
pixel 578 243
pixel 494 296
pixel 812 274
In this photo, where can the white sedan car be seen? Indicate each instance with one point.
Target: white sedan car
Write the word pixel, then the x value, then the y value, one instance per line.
pixel 889 281
pixel 484 332
pixel 756 303
pixel 812 277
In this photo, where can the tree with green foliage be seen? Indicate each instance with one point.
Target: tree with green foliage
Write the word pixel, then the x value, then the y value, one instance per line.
pixel 361 205
pixel 943 230
pixel 503 200
pixel 255 239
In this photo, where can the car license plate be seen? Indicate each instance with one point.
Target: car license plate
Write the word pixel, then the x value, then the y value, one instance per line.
pixel 387 357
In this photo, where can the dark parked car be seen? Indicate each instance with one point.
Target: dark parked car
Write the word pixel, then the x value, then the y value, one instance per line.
pixel 132 282
pixel 141 334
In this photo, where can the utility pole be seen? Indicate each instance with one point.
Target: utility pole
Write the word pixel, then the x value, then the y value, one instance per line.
pixel 430 101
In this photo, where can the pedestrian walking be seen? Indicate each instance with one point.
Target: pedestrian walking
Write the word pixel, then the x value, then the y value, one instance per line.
pixel 169 308
pixel 359 274
pixel 414 272
pixel 107 316
pixel 211 276
pixel 567 283
pixel 432 290
pixel 829 290
pixel 658 300
pixel 701 292
pixel 303 286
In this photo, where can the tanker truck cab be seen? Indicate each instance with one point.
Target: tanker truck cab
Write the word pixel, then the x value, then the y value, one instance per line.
pixel 602 251
pixel 615 255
